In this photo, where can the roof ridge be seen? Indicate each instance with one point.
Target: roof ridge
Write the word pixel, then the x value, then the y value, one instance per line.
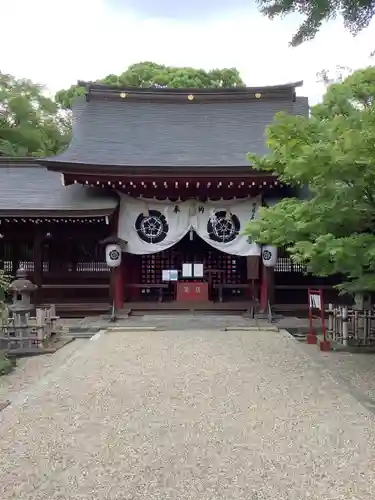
pixel 18 159
pixel 155 94
pixel 20 164
pixel 198 91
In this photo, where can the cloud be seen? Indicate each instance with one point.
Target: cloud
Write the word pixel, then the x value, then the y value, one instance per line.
pixel 178 10
pixel 85 39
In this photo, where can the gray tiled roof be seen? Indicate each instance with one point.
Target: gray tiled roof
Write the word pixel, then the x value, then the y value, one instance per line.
pixel 27 188
pixel 127 133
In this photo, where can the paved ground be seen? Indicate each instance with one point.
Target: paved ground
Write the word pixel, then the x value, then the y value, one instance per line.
pixel 183 415
pixel 188 321
pixel 354 372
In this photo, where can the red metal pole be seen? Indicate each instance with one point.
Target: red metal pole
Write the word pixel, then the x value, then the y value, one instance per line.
pixel 325 345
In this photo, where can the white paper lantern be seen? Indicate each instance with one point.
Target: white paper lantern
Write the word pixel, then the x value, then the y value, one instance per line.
pixel 113 255
pixel 269 256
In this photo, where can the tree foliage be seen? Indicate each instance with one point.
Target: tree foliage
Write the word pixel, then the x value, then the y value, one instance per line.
pixel 31 124
pixel 149 74
pixel 357 14
pixel 333 152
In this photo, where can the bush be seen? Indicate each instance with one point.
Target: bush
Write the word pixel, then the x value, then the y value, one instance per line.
pixel 6 365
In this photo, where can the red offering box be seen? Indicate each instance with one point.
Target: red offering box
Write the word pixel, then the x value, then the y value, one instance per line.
pixel 192 291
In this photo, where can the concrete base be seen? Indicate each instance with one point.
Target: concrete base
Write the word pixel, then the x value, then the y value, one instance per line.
pixel 251 328
pixel 311 339
pixel 131 328
pixel 38 351
pixel 353 349
pixel 325 345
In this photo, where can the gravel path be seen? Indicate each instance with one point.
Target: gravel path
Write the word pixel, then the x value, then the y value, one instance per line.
pixel 355 371
pixel 30 371
pixel 193 415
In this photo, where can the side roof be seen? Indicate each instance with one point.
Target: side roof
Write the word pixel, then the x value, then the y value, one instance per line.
pixel 28 189
pixel 174 127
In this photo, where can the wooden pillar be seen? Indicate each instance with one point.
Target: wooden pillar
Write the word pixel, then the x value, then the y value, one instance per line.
pixel 253 268
pixel 118 287
pixel 267 287
pixel 116 279
pixel 38 266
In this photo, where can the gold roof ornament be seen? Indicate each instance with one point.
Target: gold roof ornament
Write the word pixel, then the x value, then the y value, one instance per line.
pixel 258 95
pixel 123 95
pixel 190 97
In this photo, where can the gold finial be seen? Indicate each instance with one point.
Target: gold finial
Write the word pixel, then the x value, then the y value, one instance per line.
pixel 190 97
pixel 258 95
pixel 123 95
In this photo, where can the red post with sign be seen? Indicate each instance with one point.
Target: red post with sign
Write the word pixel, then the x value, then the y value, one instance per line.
pixel 316 311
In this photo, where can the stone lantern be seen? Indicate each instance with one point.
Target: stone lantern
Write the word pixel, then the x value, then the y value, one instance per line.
pixel 22 290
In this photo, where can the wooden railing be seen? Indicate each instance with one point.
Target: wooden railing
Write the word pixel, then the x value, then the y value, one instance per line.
pixel 351 327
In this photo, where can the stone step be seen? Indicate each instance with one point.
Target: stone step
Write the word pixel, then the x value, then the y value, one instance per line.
pixel 251 328
pixel 82 335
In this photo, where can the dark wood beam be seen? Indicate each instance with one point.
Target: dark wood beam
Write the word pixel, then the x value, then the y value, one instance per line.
pixel 136 171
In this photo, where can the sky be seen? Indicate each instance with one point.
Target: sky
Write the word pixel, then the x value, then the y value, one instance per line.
pixel 55 43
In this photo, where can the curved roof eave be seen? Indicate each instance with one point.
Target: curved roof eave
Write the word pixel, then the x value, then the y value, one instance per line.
pixel 99 87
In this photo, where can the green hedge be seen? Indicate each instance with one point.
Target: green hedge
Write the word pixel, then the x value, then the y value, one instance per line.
pixel 6 365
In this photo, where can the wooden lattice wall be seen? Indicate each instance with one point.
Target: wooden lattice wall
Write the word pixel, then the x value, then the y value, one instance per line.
pixel 63 256
pixel 232 268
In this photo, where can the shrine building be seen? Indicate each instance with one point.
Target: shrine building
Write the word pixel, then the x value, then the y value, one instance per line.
pixel 165 171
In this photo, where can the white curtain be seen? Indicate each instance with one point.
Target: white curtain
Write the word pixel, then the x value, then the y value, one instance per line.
pixel 151 226
pixel 221 225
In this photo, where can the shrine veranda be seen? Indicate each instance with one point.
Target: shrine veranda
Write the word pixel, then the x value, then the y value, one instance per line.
pixel 164 170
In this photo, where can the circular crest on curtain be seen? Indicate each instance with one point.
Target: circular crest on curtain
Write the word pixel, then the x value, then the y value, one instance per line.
pixel 152 228
pixel 222 228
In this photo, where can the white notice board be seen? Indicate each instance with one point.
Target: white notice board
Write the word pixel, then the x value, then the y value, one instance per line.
pixel 173 275
pixel 315 302
pixel 169 275
pixel 198 271
pixel 165 275
pixel 187 270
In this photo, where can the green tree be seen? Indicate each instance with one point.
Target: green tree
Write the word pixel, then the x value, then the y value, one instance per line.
pixel 332 152
pixel 31 124
pixel 357 14
pixel 149 74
